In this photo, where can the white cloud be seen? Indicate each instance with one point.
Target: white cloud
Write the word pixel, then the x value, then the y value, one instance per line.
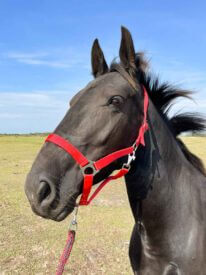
pixel 41 59
pixel 176 72
pixel 196 106
pixel 17 55
pixel 54 59
pixel 10 116
pixel 43 99
pixel 54 64
pixel 177 69
pixel 32 112
pixel 190 79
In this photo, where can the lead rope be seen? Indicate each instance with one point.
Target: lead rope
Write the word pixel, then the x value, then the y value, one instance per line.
pixel 69 244
pixel 73 225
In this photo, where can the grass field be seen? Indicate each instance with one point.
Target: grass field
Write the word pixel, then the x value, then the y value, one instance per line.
pixel 32 245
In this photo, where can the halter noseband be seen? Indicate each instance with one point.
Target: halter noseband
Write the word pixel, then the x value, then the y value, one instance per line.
pixel 91 168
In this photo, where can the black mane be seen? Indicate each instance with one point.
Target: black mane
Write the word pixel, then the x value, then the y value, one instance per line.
pixel 163 96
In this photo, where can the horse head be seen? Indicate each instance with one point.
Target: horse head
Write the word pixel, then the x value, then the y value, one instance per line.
pixel 103 117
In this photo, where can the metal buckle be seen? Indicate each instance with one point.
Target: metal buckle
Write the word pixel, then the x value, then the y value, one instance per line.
pixel 73 224
pixel 131 158
pixel 90 169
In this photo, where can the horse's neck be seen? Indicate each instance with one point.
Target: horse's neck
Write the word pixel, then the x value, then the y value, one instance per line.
pixel 160 164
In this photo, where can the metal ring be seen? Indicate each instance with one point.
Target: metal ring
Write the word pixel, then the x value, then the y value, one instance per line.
pixel 90 165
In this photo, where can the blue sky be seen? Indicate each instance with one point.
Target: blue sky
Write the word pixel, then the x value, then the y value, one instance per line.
pixel 45 52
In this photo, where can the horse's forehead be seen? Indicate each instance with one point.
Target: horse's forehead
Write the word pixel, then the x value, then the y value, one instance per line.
pixel 111 83
pixel 113 79
pixel 108 84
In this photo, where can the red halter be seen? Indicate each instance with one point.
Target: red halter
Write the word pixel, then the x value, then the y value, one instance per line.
pixel 91 168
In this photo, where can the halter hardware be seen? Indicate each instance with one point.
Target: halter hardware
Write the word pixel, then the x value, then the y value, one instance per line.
pixel 131 158
pixel 88 166
pixel 73 224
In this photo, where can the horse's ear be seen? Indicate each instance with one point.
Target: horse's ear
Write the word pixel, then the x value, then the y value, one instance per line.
pixel 127 51
pixel 99 65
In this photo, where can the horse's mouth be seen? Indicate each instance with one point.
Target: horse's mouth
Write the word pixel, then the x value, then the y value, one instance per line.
pixel 58 217
pixel 63 214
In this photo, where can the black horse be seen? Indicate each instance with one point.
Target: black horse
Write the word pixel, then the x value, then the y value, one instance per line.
pixel 166 184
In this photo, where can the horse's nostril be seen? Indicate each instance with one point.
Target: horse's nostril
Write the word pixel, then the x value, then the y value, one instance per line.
pixel 44 191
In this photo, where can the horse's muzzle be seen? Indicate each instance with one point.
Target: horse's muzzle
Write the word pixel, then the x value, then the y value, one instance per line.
pixel 43 198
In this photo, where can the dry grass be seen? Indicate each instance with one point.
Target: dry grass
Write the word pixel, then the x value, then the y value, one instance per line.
pixel 32 245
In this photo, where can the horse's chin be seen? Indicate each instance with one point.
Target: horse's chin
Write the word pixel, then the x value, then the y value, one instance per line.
pixel 56 216
pixel 63 214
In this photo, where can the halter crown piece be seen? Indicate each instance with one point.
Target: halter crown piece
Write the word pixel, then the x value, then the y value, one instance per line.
pixel 96 166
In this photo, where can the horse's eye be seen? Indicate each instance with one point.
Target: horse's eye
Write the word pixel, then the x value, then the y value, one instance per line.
pixel 116 100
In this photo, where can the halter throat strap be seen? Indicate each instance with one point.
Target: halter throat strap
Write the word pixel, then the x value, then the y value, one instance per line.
pixel 91 168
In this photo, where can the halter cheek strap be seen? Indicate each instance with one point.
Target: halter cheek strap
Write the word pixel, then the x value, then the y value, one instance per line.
pixel 91 168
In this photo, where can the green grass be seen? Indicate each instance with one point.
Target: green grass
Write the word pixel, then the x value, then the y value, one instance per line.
pixel 32 245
